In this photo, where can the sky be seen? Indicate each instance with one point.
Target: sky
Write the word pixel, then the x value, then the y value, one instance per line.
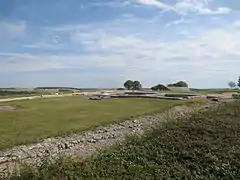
pixel 102 43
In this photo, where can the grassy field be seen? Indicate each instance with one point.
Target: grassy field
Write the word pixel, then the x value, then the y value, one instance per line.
pixel 4 94
pixel 216 91
pixel 16 95
pixel 205 146
pixel 42 118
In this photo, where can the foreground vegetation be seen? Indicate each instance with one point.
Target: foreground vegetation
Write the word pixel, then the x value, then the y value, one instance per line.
pixel 205 146
pixel 38 119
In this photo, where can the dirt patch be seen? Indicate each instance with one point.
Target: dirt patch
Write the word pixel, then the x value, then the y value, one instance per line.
pixel 7 108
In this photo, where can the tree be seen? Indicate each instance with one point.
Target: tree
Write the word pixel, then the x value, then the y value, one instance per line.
pixel 136 85
pixel 132 85
pixel 232 84
pixel 239 82
pixel 179 84
pixel 128 84
pixel 159 87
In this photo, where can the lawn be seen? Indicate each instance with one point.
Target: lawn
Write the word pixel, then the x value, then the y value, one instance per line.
pixel 42 118
pixel 204 146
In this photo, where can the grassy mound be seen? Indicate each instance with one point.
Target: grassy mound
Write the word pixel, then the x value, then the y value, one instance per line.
pixel 205 146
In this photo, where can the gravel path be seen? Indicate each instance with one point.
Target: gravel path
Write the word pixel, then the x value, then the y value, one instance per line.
pixel 33 97
pixel 86 143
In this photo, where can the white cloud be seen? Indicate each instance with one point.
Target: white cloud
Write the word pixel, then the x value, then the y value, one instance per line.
pixel 12 29
pixel 237 24
pixel 186 7
pixel 155 3
pixel 14 62
pixel 42 46
pixel 209 54
pixel 180 21
pixel 203 57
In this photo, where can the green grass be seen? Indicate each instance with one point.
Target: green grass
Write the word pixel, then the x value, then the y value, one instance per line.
pixel 216 91
pixel 206 91
pixel 204 146
pixel 42 118
pixel 9 95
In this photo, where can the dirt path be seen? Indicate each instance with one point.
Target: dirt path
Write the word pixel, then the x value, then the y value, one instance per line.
pixel 86 143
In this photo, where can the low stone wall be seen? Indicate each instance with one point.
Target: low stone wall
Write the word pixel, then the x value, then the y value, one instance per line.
pixel 146 96
pixel 85 143
pixel 236 96
pixel 183 95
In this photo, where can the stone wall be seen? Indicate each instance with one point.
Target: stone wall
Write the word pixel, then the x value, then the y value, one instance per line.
pixel 85 143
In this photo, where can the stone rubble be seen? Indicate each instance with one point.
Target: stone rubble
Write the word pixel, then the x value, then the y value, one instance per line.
pixel 86 143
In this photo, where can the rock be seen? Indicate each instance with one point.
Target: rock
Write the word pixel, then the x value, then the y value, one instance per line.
pixel 66 145
pixel 61 146
pixel 97 137
pixel 74 142
pixel 113 135
pixel 135 121
pixel 4 159
pixel 215 99
pixel 14 158
pixel 91 140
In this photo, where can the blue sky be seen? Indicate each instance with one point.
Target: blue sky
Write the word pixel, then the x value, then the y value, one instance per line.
pixel 102 43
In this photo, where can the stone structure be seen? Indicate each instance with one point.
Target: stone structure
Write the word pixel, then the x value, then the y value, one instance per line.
pixel 85 143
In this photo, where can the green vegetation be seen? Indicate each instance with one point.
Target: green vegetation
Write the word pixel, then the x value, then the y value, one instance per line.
pixel 159 87
pixel 132 85
pixel 63 91
pixel 179 84
pixel 18 93
pixel 42 118
pixel 204 146
pixel 238 82
pixel 232 84
pixel 215 91
pixel 7 94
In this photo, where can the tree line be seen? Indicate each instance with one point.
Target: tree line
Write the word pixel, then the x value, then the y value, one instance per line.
pixel 136 85
pixel 233 85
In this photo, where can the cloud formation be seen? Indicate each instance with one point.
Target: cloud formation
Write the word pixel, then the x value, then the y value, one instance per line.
pixel 185 7
pixel 178 45
pixel 12 29
pixel 196 56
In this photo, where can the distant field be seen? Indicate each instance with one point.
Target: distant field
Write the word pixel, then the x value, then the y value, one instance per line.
pixel 207 91
pixel 12 94
pixel 216 91
pixel 42 118
pixel 15 94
